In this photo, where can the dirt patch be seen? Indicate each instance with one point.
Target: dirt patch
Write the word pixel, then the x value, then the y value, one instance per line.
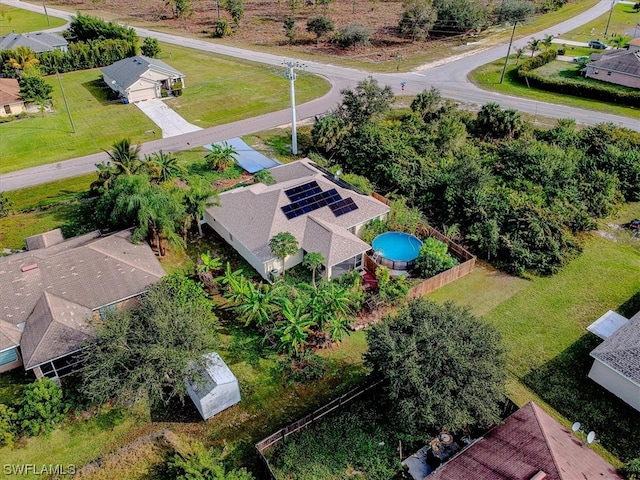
pixel 263 24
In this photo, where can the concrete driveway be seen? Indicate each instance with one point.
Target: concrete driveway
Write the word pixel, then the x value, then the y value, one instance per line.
pixel 169 121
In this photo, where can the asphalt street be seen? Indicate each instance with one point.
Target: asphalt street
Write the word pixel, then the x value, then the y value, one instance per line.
pixel 448 75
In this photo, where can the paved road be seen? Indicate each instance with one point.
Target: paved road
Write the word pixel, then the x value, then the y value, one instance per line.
pixel 449 76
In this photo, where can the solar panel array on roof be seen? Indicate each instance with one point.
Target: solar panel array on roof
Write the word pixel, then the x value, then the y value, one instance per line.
pixel 343 206
pixel 303 191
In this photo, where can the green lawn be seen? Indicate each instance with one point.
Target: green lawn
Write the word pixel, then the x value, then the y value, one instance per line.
pixel 488 77
pixel 218 90
pixel 623 21
pixel 543 323
pixel 17 20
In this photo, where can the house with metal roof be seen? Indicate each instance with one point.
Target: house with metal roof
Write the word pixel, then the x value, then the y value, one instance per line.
pixel 10 101
pixel 37 41
pixel 322 212
pixel 616 365
pixel 621 67
pixel 528 445
pixel 50 293
pixel 142 78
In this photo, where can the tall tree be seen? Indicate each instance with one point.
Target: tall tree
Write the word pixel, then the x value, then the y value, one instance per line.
pixel 440 366
pixel 511 11
pixel 417 19
pixel 124 159
pixel 282 245
pixel 366 102
pixel 197 196
pixel 319 26
pixel 458 16
pixel 148 351
pixel 221 157
pixel 534 45
pixel 313 261
pixel 163 167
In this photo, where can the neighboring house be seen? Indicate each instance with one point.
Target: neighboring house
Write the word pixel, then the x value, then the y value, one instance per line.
pixel 37 41
pixel 50 292
pixel 621 67
pixel 616 365
pixel 634 45
pixel 319 210
pixel 528 445
pixel 141 78
pixel 10 101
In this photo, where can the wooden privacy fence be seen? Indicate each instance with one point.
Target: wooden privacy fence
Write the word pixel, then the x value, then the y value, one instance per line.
pixel 303 423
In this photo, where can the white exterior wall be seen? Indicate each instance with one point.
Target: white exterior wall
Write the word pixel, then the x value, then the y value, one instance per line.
pixel 617 384
pixel 143 90
pixel 220 398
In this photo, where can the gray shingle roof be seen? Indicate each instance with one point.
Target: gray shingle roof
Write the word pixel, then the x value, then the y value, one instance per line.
pixel 87 272
pixel 253 214
pixel 621 351
pixel 527 442
pixel 335 243
pixel 37 41
pixel 9 335
pixel 622 61
pixel 43 240
pixel 128 71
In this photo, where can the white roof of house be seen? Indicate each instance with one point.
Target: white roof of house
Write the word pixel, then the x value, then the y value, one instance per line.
pixel 607 324
pixel 253 215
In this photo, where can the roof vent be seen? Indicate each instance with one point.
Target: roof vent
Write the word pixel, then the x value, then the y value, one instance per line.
pixel 26 268
pixel 539 476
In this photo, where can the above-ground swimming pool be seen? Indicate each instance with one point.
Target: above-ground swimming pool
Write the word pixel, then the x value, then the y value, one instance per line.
pixel 396 250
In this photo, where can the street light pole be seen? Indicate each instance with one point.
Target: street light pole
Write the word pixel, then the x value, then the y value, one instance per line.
pixel 606 30
pixel 506 60
pixel 293 76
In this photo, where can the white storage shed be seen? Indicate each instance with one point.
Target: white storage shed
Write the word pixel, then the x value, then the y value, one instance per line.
pixel 216 390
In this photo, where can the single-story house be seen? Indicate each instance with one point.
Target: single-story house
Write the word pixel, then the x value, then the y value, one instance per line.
pixel 318 209
pixel 621 67
pixel 37 41
pixel 10 101
pixel 528 445
pixel 49 293
pixel 141 78
pixel 616 365
pixel 215 388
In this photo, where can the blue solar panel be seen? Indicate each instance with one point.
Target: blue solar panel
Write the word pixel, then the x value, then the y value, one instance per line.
pixel 345 205
pixel 303 191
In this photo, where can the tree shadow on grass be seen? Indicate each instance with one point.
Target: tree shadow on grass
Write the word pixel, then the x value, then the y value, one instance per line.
pixel 101 91
pixel 630 307
pixel 176 411
pixel 563 384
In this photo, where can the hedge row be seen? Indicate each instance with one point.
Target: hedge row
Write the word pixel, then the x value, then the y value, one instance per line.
pixel 594 91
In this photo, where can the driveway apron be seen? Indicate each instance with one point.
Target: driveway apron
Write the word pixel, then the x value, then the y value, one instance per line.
pixel 169 121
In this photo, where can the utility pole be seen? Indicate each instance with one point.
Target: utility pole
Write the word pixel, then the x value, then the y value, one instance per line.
pixel 64 97
pixel 506 60
pixel 46 14
pixel 606 30
pixel 293 76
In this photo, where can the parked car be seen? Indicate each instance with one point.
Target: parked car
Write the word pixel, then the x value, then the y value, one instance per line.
pixel 597 44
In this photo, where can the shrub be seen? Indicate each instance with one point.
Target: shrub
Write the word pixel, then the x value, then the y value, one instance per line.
pixel 433 258
pixel 372 229
pixel 305 368
pixel 221 29
pixel 7 425
pixel 390 288
pixel 352 34
pixel 150 47
pixel 361 183
pixel 202 464
pixel 42 409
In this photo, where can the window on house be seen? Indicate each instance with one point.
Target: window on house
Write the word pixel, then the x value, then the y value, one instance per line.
pixel 230 238
pixel 8 356
pixel 7 109
pixel 608 73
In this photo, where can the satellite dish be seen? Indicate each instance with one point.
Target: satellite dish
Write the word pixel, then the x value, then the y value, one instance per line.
pixel 591 437
pixel 575 427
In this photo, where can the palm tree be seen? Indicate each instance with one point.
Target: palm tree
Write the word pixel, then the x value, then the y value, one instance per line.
pixel 282 245
pixel 519 53
pixel 196 198
pixel 547 41
pixel 163 167
pixel 123 160
pixel 534 45
pixel 313 261
pixel 294 331
pixel 206 267
pixel 328 131
pixel 23 59
pixel 259 304
pixel 221 156
pixel 330 302
pixel 263 176
pixel 234 282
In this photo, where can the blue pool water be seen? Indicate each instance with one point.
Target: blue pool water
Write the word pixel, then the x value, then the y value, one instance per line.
pixel 397 246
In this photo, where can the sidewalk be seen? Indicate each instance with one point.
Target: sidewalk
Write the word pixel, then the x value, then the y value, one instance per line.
pixel 169 121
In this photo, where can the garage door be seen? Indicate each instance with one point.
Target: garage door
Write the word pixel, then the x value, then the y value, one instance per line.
pixel 144 94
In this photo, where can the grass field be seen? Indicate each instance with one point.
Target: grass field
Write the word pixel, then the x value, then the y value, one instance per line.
pixel 544 320
pixel 17 20
pixel 488 77
pixel 218 90
pixel 623 22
